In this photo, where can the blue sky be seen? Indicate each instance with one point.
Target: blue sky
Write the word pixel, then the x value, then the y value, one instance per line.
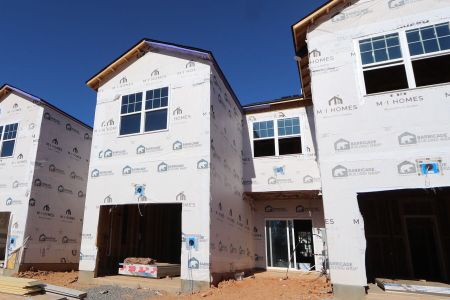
pixel 51 47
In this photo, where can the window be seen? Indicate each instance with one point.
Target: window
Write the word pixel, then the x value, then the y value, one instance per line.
pixel 156 102
pixel 138 118
pixel 263 139
pixel 428 39
pixel 289 140
pixel 380 49
pixel 383 68
pixel 407 59
pixel 426 46
pixel 8 135
pixel 282 140
pixel 130 120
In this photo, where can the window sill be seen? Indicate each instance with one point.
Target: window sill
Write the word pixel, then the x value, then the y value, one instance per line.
pixel 299 155
pixel 406 90
pixel 142 133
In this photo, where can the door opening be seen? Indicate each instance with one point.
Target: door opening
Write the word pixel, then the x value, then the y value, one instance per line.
pixel 4 226
pixel 423 247
pixel 148 231
pixel 289 243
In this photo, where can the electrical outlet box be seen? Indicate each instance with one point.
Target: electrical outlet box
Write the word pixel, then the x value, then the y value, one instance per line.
pixel 429 166
pixel 192 243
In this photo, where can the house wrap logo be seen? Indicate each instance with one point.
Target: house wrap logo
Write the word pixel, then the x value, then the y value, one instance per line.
pixel 66 240
pixel 141 149
pixel 53 169
pixel 408 138
pixel 32 202
pixel 275 180
pixel 164 167
pixel 401 99
pixel 406 168
pixel 64 190
pixel 106 127
pixel 97 173
pixel 108 199
pixel 74 153
pixel 346 15
pixel 341 171
pixel 342 145
pixel 45 213
pixel 316 58
pixel 49 117
pixel 46 238
pixel 108 153
pixel 73 175
pixel 393 4
pixel 308 179
pixel 39 183
pixel 127 170
pixel 17 184
pixel 179 115
pixel 336 106
pixel 123 82
pixel 10 201
pixel 202 164
pixel 54 145
pixel 70 128
pixel 179 145
pixel 67 216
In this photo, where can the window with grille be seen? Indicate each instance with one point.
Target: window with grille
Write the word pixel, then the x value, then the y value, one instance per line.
pixel 8 134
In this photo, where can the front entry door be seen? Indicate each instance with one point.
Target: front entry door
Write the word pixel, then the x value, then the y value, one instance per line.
pixel 289 243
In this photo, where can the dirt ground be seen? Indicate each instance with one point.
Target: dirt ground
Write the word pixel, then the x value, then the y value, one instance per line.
pixel 266 285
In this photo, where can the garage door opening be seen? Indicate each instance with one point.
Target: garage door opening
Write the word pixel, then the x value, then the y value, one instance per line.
pixel 407 234
pixel 144 231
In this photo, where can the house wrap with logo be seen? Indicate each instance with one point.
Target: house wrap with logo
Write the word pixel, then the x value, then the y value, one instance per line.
pixel 182 138
pixel 44 157
pixel 378 76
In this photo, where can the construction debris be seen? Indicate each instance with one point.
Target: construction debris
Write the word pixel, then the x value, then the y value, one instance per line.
pixel 59 290
pixel 140 260
pixel 409 287
pixel 19 286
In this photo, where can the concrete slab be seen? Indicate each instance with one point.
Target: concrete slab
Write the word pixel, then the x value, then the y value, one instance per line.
pixel 171 285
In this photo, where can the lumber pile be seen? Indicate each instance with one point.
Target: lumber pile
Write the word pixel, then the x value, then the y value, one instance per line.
pixel 63 291
pixel 20 286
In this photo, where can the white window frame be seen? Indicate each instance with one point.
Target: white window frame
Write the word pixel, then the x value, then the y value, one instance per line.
pixel 3 140
pixel 143 111
pixel 406 60
pixel 276 137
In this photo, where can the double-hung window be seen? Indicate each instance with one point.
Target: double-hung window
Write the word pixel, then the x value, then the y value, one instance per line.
pixel 383 67
pixel 430 57
pixel 279 137
pixel 289 140
pixel 263 139
pixel 130 119
pixel 8 134
pixel 137 117
pixel 156 103
pixel 406 59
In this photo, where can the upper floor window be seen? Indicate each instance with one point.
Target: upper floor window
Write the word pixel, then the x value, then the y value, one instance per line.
pixel 381 56
pixel 136 118
pixel 380 49
pixel 8 135
pixel 289 140
pixel 406 59
pixel 430 56
pixel 263 139
pixel 276 138
pixel 428 39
